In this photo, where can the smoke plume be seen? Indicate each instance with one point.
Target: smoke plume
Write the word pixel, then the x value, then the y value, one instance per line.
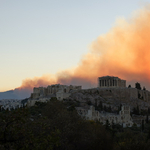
pixel 124 52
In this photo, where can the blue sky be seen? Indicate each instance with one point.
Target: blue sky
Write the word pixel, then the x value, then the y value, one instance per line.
pixel 46 36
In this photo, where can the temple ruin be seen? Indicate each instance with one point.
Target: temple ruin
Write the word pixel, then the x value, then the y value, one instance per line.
pixel 123 118
pixel 56 90
pixel 111 82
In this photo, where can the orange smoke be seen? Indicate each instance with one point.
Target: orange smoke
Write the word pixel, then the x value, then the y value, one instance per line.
pixel 124 52
pixel 38 81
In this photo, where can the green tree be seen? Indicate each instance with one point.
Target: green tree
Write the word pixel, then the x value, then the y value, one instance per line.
pixel 138 86
pixel 129 86
pixel 100 106
pixel 19 131
pixel 129 140
pixel 142 126
pixel 147 118
pixel 107 125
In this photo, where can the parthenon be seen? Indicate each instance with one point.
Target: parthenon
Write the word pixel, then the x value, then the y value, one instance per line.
pixel 110 81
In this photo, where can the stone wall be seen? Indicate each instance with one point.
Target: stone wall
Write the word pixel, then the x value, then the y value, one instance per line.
pixel 60 91
pixel 125 93
pixel 61 95
pixel 31 102
pixel 123 118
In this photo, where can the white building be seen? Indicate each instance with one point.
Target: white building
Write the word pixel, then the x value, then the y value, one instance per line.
pixel 123 118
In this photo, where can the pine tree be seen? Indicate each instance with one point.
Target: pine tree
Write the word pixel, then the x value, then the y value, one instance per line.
pixel 144 88
pixel 100 105
pixel 147 118
pixel 138 110
pixel 142 126
pixel 138 86
pixel 129 86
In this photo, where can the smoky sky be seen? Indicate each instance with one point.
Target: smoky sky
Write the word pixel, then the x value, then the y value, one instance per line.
pixel 124 51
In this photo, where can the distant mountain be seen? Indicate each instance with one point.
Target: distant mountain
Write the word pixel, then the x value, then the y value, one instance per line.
pixel 16 94
pixel 8 95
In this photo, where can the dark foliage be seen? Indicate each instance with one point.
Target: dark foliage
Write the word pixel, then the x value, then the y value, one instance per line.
pixel 136 110
pixel 129 86
pixel 138 86
pixel 56 125
pixel 52 125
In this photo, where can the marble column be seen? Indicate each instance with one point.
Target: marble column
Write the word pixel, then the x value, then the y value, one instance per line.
pixel 100 83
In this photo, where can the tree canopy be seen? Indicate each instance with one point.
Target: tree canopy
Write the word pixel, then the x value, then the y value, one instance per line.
pixel 53 125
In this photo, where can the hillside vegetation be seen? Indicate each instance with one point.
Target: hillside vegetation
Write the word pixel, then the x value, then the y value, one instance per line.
pixel 56 125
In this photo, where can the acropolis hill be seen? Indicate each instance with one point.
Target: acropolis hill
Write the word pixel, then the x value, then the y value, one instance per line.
pixel 111 100
pixel 110 90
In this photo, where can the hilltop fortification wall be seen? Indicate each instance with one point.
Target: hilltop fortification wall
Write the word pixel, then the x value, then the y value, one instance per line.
pixel 124 93
pixel 60 91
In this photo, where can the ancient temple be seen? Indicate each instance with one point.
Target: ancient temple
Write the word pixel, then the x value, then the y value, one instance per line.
pixel 110 81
